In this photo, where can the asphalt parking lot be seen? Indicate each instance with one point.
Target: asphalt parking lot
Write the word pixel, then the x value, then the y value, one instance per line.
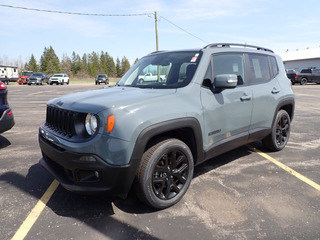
pixel 239 195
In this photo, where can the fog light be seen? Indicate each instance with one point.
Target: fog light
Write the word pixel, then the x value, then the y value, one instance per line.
pixel 87 159
pixel 96 174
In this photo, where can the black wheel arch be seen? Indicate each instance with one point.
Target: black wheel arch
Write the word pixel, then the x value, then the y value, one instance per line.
pixel 288 105
pixel 187 130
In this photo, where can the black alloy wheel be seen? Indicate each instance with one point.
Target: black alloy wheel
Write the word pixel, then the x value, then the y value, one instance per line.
pixel 165 173
pixel 170 175
pixel 280 132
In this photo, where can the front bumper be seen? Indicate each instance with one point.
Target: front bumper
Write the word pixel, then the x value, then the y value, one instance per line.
pixel 6 121
pixel 85 176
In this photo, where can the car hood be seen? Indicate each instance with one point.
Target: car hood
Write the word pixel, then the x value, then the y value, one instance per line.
pixel 95 101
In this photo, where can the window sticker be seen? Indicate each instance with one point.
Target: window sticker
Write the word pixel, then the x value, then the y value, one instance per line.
pixel 194 59
pixel 235 68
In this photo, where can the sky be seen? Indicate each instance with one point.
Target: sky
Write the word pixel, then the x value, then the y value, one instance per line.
pixel 182 24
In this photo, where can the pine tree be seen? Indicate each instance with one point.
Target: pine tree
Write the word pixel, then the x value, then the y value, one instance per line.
pixel 118 68
pixel 32 64
pixel 111 67
pixel 93 64
pixel 103 63
pixel 49 61
pixel 125 65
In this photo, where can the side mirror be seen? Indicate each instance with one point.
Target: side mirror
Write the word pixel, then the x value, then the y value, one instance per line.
pixel 223 81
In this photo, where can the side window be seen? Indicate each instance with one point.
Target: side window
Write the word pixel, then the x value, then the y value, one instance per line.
pixel 229 64
pixel 274 66
pixel 259 68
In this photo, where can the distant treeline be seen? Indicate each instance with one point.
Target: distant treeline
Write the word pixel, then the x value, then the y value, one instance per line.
pixel 86 66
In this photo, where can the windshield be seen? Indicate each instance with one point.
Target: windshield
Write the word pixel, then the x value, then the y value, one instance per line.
pixel 27 73
pixel 36 75
pixel 162 70
pixel 57 75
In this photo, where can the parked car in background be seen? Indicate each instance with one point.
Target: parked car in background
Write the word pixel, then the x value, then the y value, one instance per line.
pixel 60 78
pixel 292 75
pixel 6 115
pixel 148 77
pixel 309 76
pixel 23 78
pixel 38 79
pixel 102 78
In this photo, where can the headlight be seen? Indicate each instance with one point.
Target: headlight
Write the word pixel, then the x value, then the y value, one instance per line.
pixel 91 124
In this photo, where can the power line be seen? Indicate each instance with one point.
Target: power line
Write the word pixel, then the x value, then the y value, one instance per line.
pixel 104 15
pixel 78 13
pixel 184 30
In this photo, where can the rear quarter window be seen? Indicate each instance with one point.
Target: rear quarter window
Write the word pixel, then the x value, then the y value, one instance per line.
pixel 274 66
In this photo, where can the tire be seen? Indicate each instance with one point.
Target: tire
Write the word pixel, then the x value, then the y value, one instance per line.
pixel 280 134
pixel 167 163
pixel 68 82
pixel 303 81
pixel 140 81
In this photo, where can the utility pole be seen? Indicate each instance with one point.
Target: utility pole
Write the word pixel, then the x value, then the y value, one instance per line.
pixel 156 26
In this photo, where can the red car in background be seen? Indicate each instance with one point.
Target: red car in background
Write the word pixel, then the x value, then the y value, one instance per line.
pixel 24 77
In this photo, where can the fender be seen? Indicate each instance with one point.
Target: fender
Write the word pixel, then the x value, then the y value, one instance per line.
pixel 160 128
pixel 281 105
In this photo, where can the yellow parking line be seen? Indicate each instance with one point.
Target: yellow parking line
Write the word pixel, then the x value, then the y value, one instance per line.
pixel 35 213
pixel 286 168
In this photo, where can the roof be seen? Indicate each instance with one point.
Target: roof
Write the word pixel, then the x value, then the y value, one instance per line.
pixel 301 54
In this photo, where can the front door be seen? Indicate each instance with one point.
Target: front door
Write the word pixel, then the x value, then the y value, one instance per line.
pixel 227 114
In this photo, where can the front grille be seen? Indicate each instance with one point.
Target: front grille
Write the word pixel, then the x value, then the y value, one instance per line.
pixel 61 121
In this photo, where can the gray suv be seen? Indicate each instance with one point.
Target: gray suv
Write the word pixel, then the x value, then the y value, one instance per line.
pixel 149 135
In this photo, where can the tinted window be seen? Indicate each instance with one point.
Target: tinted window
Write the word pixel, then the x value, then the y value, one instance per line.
pixel 274 66
pixel 258 68
pixel 229 64
pixel 306 71
pixel 162 70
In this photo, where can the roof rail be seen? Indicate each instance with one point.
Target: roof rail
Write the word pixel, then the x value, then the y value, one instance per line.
pixel 213 45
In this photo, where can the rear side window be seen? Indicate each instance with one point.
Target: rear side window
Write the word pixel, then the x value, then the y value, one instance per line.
pixel 229 64
pixel 274 66
pixel 258 68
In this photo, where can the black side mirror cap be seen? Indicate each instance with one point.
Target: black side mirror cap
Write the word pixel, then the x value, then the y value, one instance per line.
pixel 224 81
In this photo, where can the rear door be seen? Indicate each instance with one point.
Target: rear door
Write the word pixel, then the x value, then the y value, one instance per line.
pixel 263 77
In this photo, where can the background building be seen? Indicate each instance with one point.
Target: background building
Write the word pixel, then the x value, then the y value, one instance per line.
pixel 301 58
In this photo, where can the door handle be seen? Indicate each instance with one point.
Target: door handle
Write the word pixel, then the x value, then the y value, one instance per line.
pixel 275 90
pixel 245 98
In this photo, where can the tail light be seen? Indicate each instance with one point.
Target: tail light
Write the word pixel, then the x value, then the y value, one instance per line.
pixel 296 76
pixel 2 86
